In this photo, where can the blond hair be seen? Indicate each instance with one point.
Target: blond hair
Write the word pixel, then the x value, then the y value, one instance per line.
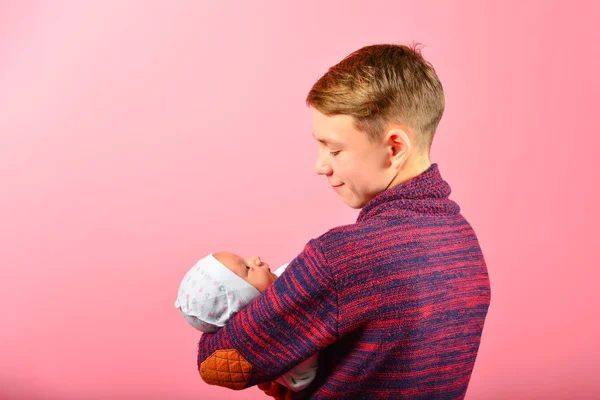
pixel 382 84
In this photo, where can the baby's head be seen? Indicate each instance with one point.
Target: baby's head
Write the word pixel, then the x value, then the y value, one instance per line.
pixel 260 277
pixel 217 287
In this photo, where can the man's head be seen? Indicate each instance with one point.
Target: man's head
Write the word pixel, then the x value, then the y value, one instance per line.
pixel 375 115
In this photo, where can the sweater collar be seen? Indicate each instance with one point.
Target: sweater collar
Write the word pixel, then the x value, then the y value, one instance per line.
pixel 426 193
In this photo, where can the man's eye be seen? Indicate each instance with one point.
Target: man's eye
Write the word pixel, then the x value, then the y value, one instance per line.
pixel 334 153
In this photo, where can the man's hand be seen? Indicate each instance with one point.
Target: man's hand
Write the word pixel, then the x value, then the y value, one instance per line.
pixel 276 390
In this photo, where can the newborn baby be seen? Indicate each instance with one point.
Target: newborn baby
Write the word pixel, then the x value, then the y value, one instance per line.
pixel 220 285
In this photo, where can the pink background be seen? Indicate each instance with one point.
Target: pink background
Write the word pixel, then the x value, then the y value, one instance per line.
pixel 138 136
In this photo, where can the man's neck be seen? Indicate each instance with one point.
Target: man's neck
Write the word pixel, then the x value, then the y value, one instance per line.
pixel 411 169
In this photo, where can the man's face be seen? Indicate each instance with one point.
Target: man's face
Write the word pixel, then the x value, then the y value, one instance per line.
pixel 356 169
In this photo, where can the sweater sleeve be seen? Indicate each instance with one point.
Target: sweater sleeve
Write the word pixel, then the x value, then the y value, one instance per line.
pixel 293 319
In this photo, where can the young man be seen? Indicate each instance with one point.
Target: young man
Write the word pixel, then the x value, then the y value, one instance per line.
pixel 396 302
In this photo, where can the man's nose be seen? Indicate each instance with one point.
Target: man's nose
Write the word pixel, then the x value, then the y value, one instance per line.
pixel 322 167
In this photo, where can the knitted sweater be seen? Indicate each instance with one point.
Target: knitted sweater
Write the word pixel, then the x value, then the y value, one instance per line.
pixel 395 303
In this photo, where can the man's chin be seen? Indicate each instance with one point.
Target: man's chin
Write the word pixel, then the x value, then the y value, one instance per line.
pixel 353 203
pixel 356 206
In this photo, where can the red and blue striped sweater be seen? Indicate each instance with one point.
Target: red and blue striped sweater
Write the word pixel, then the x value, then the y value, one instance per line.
pixel 395 304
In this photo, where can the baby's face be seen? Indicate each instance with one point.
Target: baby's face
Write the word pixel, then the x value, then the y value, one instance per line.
pixel 259 277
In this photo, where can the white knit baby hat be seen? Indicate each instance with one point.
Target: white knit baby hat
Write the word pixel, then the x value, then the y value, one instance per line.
pixel 210 294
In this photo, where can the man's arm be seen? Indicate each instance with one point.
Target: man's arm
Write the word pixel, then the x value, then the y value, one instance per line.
pixel 289 322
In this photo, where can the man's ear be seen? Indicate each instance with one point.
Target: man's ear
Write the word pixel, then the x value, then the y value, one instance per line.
pixel 399 146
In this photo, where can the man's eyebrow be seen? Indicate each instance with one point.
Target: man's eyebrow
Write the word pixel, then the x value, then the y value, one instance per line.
pixel 326 141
